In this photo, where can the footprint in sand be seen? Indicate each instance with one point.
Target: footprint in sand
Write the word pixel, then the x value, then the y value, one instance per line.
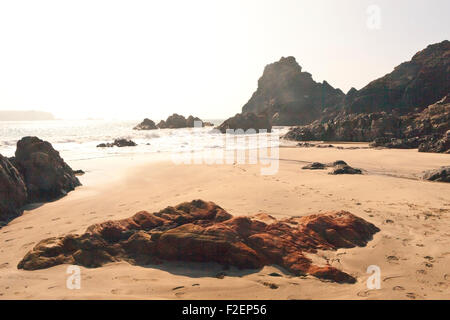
pixel 421 271
pixel 177 288
pixel 54 219
pixel 392 259
pixel 28 228
pixel 398 288
pixel 270 285
pixel 27 245
pixel 412 295
pixel 363 294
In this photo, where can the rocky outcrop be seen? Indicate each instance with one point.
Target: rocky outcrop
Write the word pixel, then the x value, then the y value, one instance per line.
pixel 427 129
pixel 46 175
pixel 436 144
pixel 200 231
pixel 118 143
pixel 440 175
pixel 246 121
pixel 291 97
pixel 413 84
pixel 146 124
pixel 177 121
pixel 13 192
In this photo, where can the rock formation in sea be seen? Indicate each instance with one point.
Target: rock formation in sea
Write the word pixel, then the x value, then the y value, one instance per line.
pixel 246 121
pixel 46 175
pixel 118 143
pixel 176 121
pixel 200 231
pixel 146 124
pixel 13 192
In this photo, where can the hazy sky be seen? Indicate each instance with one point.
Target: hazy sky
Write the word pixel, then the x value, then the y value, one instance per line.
pixel 130 59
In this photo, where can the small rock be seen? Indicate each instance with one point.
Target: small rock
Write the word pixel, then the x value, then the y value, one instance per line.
pixel 345 169
pixel 314 166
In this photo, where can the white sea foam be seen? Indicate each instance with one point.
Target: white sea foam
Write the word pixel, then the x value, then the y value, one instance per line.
pixel 77 139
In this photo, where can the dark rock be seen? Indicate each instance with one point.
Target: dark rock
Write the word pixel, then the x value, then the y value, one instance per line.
pixel 13 192
pixel 78 172
pixel 338 163
pixel 246 121
pixel 441 175
pixel 427 127
pixel 118 143
pixel 46 175
pixel 289 96
pixel 200 231
pixel 345 169
pixel 413 84
pixel 146 124
pixel 305 145
pixel 436 144
pixel 177 121
pixel 314 166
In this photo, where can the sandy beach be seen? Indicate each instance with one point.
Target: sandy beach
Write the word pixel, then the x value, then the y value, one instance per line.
pixel 412 248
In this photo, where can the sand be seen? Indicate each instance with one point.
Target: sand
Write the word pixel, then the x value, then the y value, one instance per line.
pixel 412 249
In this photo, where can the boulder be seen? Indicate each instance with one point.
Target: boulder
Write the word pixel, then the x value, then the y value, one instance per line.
pixel 46 175
pixel 314 166
pixel 200 231
pixel 146 124
pixel 246 121
pixel 118 143
pixel 344 169
pixel 337 163
pixel 13 191
pixel 440 175
pixel 436 144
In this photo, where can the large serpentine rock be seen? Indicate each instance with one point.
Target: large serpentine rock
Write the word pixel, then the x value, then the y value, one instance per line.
pixel 200 231
pixel 46 175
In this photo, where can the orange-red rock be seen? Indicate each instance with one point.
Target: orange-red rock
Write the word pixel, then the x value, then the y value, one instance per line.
pixel 200 231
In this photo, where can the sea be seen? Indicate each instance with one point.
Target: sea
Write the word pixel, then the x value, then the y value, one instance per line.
pixel 78 139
